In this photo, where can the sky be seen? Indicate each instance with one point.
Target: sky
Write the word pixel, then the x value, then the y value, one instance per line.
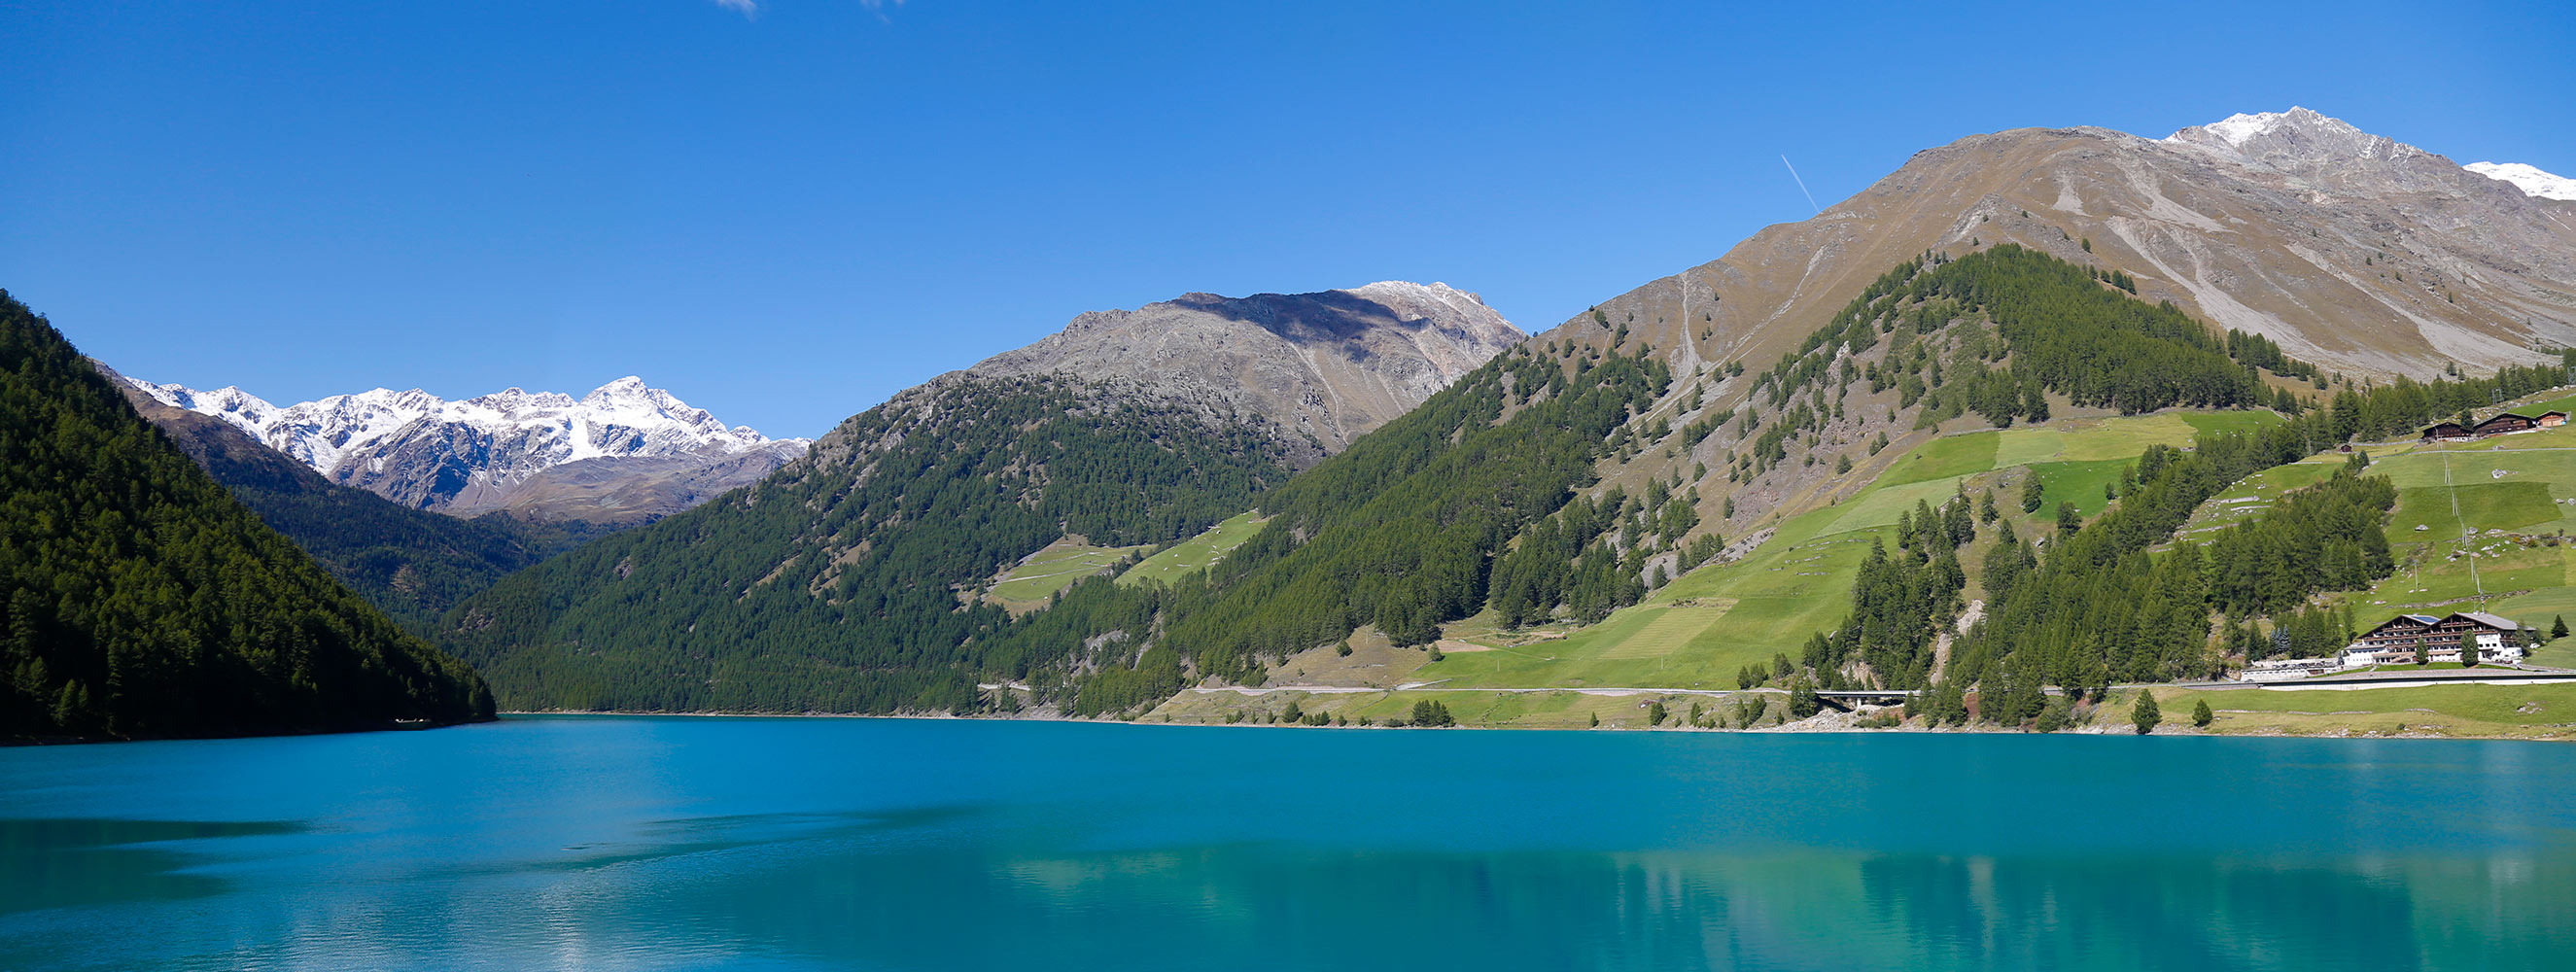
pixel 787 210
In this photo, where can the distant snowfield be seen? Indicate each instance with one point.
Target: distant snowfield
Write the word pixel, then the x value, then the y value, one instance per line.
pixel 538 429
pixel 2531 180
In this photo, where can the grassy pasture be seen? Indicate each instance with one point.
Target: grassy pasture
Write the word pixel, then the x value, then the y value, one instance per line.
pixel 2539 711
pixel 1700 629
pixel 1033 581
pixel 1196 553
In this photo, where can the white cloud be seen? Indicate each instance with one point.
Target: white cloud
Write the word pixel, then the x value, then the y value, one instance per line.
pixel 749 8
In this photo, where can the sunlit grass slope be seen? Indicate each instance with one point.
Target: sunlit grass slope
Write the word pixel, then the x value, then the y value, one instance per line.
pixel 1030 584
pixel 1196 553
pixel 2478 526
pixel 1698 631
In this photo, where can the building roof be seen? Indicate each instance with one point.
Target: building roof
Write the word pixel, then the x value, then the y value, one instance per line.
pixel 2501 416
pixel 2420 619
pixel 2474 617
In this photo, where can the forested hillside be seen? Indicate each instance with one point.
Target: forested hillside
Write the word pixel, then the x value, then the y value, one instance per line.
pixel 850 581
pixel 411 564
pixel 1398 532
pixel 846 581
pixel 2101 603
pixel 142 600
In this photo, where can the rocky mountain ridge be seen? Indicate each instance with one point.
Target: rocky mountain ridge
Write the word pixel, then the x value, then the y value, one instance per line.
pixel 2364 255
pixel 625 452
pixel 1325 366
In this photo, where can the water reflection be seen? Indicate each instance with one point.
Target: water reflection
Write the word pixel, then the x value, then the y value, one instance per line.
pixel 58 862
pixel 911 894
pixel 697 844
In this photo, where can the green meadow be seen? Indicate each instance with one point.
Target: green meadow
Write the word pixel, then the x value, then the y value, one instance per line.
pixel 1033 581
pixel 1699 630
pixel 2540 711
pixel 2482 526
pixel 1196 553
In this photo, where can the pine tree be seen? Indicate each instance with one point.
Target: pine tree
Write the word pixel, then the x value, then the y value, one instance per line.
pixel 2031 493
pixel 2145 715
pixel 2558 627
pixel 2200 714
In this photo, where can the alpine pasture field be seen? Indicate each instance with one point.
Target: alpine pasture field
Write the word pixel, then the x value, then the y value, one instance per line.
pixel 1699 630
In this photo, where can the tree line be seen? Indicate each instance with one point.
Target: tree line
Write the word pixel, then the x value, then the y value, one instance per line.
pixel 138 598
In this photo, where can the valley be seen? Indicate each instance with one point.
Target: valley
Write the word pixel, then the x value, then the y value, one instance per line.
pixel 1909 446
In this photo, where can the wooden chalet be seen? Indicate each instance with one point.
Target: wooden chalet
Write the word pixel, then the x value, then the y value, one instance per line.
pixel 2503 423
pixel 2448 432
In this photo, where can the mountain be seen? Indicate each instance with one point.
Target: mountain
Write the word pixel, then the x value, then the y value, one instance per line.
pixel 2530 180
pixel 2285 267
pixel 851 580
pixel 412 564
pixel 2277 262
pixel 142 600
pixel 2352 251
pixel 2367 257
pixel 1327 366
pixel 623 454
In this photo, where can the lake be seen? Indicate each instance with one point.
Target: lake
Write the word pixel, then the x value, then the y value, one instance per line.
pixel 691 843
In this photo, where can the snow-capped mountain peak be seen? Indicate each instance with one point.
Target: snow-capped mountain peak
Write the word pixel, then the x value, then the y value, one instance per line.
pixel 2236 130
pixel 417 448
pixel 2530 179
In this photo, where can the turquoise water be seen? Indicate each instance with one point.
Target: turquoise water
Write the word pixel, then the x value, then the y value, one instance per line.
pixel 635 843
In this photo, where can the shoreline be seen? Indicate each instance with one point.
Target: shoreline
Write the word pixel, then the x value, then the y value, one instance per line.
pixel 1801 727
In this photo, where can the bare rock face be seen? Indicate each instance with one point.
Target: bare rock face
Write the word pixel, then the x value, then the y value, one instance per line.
pixel 1324 366
pixel 625 490
pixel 2354 251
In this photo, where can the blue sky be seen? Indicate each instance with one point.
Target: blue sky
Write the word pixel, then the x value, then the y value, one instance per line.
pixel 787 212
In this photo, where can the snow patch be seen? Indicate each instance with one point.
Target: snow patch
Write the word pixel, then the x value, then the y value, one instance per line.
pixel 523 431
pixel 2530 179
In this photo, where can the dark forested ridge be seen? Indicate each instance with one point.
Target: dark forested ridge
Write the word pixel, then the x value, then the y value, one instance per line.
pixel 412 564
pixel 138 598
pixel 845 582
pixel 1400 531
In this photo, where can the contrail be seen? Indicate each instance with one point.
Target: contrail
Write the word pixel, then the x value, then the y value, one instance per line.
pixel 1802 186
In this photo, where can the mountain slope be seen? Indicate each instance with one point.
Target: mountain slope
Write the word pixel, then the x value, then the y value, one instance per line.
pixel 2367 257
pixel 2351 251
pixel 851 580
pixel 1327 366
pixel 142 600
pixel 1987 341
pixel 412 564
pixel 641 453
